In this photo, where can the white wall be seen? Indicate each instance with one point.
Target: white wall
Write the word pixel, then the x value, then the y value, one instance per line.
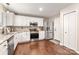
pixel 57 28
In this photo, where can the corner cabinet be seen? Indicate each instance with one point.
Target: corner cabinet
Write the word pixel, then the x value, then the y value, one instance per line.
pixel 21 37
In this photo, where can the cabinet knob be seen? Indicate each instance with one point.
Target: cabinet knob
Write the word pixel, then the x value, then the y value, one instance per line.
pixel 65 32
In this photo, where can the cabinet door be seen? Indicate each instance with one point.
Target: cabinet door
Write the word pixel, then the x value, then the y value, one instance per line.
pixel 10 45
pixel 4 19
pixel 25 36
pixel 10 19
pixel 4 48
pixel 1 18
pixel 70 30
pixel 40 22
pixel 18 21
pixel 17 39
pixel 41 35
pixel 27 21
pixel 21 21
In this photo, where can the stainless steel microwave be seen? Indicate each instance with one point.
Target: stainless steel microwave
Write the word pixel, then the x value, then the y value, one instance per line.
pixel 33 24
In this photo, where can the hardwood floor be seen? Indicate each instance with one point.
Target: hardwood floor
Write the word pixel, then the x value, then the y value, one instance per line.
pixel 43 47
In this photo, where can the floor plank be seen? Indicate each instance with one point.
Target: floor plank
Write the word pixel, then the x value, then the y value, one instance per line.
pixel 43 47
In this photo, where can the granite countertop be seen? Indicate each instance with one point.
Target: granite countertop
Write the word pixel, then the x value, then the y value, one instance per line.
pixel 4 38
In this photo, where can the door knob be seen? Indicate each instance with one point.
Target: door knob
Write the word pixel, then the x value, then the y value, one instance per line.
pixel 65 32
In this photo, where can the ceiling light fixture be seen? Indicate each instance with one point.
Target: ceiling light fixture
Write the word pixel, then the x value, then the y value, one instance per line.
pixel 40 9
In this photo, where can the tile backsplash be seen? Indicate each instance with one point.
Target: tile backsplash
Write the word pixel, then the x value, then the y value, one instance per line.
pixel 22 28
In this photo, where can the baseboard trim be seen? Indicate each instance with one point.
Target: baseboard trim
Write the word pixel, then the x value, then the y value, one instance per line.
pixel 69 48
pixel 76 51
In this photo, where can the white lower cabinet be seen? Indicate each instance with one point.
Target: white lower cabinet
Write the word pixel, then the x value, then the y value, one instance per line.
pixel 41 35
pixel 25 36
pixel 4 48
pixel 21 37
pixel 16 40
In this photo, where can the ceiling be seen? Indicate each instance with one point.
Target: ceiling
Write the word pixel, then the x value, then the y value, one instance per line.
pixel 49 9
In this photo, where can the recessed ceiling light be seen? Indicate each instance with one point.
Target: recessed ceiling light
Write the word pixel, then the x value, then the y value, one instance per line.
pixel 40 9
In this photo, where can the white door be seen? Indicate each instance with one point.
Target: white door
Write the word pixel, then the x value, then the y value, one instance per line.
pixel 70 30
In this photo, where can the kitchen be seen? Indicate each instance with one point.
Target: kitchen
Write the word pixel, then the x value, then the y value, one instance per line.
pixel 14 27
pixel 25 30
pixel 26 23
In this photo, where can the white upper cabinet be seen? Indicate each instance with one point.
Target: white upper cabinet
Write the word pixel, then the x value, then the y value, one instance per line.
pixel 25 21
pixel 7 19
pixel 17 21
pixel 40 22
pixel 10 19
pixel 4 19
pixel 0 18
pixel 21 21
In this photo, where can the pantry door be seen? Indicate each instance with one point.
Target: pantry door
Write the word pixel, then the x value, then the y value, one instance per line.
pixel 70 30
